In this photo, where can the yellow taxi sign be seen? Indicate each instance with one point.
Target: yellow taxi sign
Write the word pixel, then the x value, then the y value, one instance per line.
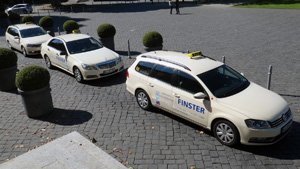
pixel 196 54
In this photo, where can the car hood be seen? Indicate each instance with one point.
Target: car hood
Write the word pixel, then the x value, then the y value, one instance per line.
pixel 256 102
pixel 36 39
pixel 96 56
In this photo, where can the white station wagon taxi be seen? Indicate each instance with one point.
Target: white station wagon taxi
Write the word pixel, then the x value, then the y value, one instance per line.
pixel 82 56
pixel 210 94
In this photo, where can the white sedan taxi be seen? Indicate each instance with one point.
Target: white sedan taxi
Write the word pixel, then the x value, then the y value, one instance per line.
pixel 210 94
pixel 27 38
pixel 82 56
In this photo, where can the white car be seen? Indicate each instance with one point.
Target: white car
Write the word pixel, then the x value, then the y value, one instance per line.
pixel 27 38
pixel 210 94
pixel 82 56
pixel 19 9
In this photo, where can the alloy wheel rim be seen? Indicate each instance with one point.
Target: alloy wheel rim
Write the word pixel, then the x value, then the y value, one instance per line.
pixel 225 133
pixel 77 75
pixel 48 62
pixel 24 51
pixel 142 100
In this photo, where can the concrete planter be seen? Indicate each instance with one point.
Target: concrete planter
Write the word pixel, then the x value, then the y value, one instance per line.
pixel 8 78
pixel 38 102
pixel 149 49
pixel 108 42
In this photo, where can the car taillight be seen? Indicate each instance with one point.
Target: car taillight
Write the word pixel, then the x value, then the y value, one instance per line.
pixel 126 73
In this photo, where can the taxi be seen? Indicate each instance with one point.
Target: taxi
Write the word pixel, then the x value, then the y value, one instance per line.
pixel 82 56
pixel 26 37
pixel 211 94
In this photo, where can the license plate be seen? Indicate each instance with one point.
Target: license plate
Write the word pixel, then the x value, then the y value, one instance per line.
pixel 109 71
pixel 286 127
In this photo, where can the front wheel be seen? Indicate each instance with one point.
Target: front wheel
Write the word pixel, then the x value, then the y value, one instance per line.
pixel 48 62
pixel 9 45
pixel 143 99
pixel 77 74
pixel 24 51
pixel 226 133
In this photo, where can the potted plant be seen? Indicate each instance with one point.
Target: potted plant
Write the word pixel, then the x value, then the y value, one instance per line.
pixel 153 41
pixel 70 25
pixel 106 32
pixel 46 23
pixel 27 19
pixel 33 85
pixel 8 69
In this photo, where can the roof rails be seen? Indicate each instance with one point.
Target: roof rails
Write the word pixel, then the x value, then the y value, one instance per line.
pixel 166 60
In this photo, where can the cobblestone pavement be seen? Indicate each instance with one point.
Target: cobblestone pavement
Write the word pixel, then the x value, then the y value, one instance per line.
pixel 251 39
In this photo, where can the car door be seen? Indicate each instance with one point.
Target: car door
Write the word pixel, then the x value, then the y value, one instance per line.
pixel 185 87
pixel 13 38
pixel 160 86
pixel 54 50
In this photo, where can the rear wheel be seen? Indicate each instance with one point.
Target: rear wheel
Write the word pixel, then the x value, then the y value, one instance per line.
pixel 226 133
pixel 143 99
pixel 77 74
pixel 48 62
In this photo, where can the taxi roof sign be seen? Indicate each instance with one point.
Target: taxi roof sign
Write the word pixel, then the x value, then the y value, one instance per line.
pixel 195 55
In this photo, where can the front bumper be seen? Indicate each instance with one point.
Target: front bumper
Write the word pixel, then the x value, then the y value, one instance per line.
pixel 265 136
pixel 33 50
pixel 96 74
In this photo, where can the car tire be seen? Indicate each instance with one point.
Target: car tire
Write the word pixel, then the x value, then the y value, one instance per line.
pixel 77 74
pixel 143 99
pixel 226 133
pixel 24 51
pixel 9 45
pixel 48 62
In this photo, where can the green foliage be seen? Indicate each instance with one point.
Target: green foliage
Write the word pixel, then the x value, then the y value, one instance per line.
pixel 70 25
pixel 106 30
pixel 32 78
pixel 152 39
pixel 27 19
pixel 46 22
pixel 8 58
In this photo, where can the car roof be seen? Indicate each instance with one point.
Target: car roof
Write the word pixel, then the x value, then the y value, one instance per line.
pixel 25 26
pixel 196 65
pixel 73 36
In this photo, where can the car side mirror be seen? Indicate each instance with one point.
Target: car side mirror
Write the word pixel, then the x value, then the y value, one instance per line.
pixel 16 37
pixel 63 53
pixel 48 32
pixel 242 74
pixel 200 95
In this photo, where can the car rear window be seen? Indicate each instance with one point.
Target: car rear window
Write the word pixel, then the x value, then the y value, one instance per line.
pixel 144 67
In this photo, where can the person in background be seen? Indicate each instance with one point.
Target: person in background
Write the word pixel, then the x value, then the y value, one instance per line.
pixel 171 4
pixel 177 6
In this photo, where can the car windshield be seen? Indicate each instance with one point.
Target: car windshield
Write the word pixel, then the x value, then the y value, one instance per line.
pixel 223 81
pixel 26 33
pixel 83 45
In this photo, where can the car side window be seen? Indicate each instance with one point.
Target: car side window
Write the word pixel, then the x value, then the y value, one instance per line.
pixel 13 31
pixel 144 67
pixel 188 83
pixel 57 44
pixel 163 73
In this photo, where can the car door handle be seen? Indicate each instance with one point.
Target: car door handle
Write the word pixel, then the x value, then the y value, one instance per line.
pixel 151 85
pixel 176 95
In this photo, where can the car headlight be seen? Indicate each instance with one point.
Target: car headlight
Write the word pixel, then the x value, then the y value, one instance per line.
pixel 119 59
pixel 257 124
pixel 88 67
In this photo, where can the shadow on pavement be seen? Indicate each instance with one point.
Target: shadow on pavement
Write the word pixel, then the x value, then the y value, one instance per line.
pixel 288 148
pixel 67 117
pixel 125 53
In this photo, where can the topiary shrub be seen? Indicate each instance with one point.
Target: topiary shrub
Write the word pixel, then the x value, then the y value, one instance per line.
pixel 70 25
pixel 27 19
pixel 32 78
pixel 46 22
pixel 106 30
pixel 8 58
pixel 152 39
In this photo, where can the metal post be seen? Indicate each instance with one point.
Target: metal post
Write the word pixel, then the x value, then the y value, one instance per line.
pixel 58 30
pixel 128 44
pixel 187 51
pixel 38 11
pixel 48 12
pixel 223 59
pixel 269 77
